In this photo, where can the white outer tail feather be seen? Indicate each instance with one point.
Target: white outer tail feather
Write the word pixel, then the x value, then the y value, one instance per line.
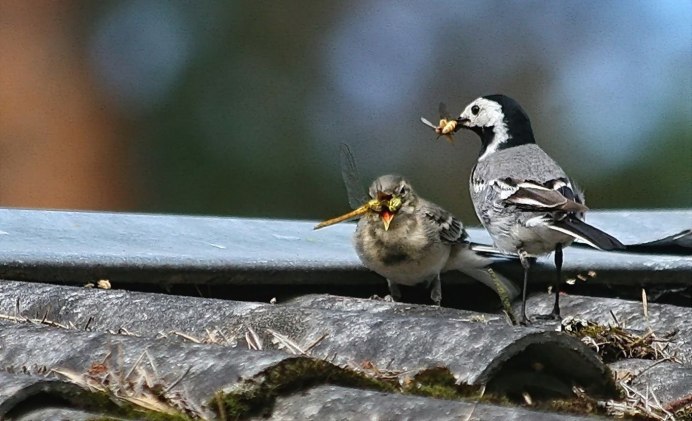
pixel 469 262
pixel 578 237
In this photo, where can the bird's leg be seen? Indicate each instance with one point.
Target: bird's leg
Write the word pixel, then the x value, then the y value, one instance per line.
pixel 558 280
pixel 394 290
pixel 436 290
pixel 555 314
pixel 526 264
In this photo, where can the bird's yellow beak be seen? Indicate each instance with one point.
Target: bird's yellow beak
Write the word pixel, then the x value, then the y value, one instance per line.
pixel 386 217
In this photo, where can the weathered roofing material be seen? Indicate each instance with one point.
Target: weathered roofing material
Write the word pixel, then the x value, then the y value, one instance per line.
pixel 661 318
pixel 142 342
pixel 185 375
pixel 669 382
pixel 325 402
pixel 21 394
pixel 399 342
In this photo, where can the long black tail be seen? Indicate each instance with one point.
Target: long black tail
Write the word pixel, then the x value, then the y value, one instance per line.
pixel 679 243
pixel 588 234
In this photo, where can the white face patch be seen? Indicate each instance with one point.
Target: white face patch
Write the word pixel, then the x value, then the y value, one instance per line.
pixel 489 114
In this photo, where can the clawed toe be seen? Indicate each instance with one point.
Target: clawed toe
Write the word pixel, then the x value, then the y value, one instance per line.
pixel 551 316
pixel 387 298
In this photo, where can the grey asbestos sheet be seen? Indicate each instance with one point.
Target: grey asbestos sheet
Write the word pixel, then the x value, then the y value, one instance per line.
pixel 31 391
pixel 641 226
pixel 61 414
pixel 75 247
pixel 340 403
pixel 400 309
pixel 194 372
pixel 473 351
pixel 662 318
pixel 668 381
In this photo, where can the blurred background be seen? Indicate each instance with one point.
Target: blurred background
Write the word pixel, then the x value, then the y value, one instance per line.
pixel 238 108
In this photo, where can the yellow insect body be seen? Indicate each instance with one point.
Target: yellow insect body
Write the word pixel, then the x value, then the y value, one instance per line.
pixel 446 126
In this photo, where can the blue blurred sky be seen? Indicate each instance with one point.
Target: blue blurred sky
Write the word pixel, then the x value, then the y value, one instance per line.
pixel 611 68
pixel 600 79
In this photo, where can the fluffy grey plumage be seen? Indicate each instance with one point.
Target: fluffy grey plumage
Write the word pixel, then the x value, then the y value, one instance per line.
pixel 521 195
pixel 421 241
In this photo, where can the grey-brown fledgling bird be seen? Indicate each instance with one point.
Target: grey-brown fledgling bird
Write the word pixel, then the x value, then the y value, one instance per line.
pixel 523 198
pixel 409 241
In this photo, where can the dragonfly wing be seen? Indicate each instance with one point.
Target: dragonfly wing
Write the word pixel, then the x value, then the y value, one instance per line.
pixel 444 113
pixel 428 123
pixel 349 172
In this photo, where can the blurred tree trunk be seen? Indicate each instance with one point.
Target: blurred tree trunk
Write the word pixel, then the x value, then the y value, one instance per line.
pixel 59 145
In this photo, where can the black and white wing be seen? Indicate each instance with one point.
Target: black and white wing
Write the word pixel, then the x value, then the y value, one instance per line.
pixel 553 195
pixel 562 202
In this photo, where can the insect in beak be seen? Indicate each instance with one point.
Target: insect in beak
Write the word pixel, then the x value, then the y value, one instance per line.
pixel 447 125
pixel 372 205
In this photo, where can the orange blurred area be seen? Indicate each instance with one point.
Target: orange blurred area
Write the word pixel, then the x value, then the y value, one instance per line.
pixel 60 147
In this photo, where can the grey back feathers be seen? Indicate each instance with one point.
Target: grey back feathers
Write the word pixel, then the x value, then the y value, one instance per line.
pixel 526 162
pixel 523 177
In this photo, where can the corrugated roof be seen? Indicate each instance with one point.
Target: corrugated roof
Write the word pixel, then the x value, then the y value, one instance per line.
pixel 70 352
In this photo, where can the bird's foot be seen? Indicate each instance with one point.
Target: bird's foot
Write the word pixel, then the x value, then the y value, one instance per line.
pixel 436 298
pixel 394 292
pixel 436 291
pixel 550 316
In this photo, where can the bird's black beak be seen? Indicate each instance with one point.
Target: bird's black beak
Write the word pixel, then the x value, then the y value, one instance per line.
pixel 462 123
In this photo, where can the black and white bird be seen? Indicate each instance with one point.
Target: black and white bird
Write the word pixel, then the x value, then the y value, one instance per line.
pixel 521 196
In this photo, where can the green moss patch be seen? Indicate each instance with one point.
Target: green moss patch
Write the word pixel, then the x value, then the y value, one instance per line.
pixel 256 396
pixel 439 383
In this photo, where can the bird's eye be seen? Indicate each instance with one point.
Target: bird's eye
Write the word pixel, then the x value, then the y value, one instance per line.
pixel 475 109
pixel 401 191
